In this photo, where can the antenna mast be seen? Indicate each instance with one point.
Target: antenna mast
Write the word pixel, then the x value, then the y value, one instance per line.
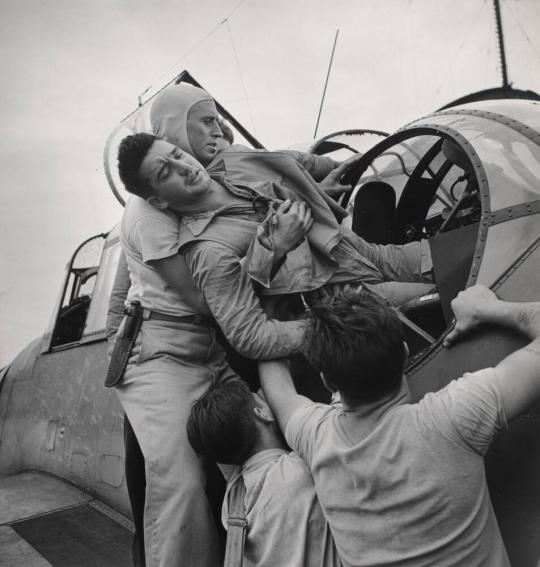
pixel 500 38
pixel 326 84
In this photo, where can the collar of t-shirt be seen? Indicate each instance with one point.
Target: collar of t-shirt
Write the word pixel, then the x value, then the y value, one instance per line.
pixel 261 458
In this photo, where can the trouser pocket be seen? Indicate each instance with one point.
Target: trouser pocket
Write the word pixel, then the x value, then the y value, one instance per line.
pixel 185 342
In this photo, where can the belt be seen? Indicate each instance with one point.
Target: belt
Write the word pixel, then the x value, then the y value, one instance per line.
pixel 149 314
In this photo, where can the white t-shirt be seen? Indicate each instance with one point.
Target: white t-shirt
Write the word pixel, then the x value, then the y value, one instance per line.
pixel 146 234
pixel 286 526
pixel 411 490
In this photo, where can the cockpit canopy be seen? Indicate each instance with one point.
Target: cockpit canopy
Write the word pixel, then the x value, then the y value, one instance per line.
pixel 467 180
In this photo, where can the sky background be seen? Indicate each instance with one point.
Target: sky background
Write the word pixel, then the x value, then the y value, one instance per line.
pixel 72 69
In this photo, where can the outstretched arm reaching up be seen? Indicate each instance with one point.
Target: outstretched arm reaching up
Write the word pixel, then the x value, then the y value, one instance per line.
pixel 519 373
pixel 279 390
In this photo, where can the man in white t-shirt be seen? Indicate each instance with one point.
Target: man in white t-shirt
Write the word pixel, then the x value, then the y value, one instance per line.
pixel 285 524
pixel 174 361
pixel 402 483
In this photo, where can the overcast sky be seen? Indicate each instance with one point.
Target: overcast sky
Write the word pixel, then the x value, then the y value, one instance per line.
pixel 72 69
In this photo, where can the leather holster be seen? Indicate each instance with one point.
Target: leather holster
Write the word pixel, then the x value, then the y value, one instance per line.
pixel 123 344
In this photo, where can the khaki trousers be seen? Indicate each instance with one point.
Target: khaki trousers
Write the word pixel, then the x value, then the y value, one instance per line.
pixel 171 365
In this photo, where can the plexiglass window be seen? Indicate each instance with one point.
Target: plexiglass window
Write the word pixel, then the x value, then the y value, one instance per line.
pixel 78 291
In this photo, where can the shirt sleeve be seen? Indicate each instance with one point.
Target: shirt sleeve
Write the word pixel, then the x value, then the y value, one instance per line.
pixel 468 411
pixel 259 262
pixel 401 263
pixel 115 311
pixel 317 166
pixel 156 236
pixel 303 427
pixel 229 293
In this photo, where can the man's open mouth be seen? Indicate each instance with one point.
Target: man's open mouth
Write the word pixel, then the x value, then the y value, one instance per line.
pixel 193 177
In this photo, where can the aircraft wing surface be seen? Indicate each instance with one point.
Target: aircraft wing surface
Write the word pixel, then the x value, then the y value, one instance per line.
pixel 45 521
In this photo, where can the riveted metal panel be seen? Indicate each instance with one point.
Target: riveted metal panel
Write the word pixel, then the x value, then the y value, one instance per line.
pixel 505 243
pixel 63 421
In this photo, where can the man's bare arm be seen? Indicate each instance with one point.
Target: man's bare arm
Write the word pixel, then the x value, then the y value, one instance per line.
pixel 519 373
pixel 279 390
pixel 176 274
pixel 115 312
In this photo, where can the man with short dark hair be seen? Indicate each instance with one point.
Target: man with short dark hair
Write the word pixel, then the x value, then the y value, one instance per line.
pixel 134 150
pixel 285 524
pixel 174 360
pixel 403 483
pixel 352 332
pixel 221 424
pixel 185 187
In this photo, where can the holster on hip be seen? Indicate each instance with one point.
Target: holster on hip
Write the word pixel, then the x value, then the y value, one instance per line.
pixel 123 344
